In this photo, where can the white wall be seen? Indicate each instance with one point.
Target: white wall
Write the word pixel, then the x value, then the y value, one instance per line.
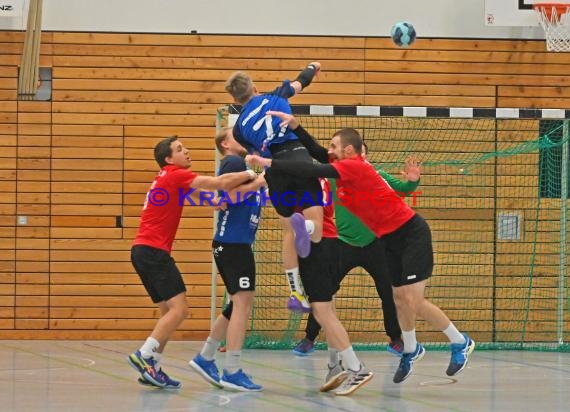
pixel 432 18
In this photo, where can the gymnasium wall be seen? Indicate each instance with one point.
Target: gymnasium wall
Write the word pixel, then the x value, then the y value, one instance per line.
pixel 432 18
pixel 76 164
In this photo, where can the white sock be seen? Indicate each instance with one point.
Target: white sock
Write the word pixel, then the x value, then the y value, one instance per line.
pixel 333 357
pixel 149 347
pixel 310 226
pixel 295 280
pixel 410 342
pixel 233 358
pixel 453 334
pixel 209 349
pixel 349 359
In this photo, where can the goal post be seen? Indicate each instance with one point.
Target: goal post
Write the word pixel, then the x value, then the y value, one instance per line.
pixel 494 191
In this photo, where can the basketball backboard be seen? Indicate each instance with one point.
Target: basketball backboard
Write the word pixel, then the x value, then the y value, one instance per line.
pixel 514 13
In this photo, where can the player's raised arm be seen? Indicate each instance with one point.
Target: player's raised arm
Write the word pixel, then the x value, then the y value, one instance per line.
pixel 236 195
pixel 306 76
pixel 316 151
pixel 294 167
pixel 224 182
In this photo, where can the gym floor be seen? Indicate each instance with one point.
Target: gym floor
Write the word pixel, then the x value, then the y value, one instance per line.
pixel 94 376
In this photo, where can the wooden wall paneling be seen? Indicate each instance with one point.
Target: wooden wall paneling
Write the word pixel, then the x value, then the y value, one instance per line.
pixel 8 194
pixel 33 201
pixel 75 167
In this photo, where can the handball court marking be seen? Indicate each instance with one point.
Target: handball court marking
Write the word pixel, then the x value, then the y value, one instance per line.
pixel 94 375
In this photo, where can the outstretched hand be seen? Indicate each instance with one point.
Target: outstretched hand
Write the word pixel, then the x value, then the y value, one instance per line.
pixel 256 160
pixel 287 119
pixel 412 171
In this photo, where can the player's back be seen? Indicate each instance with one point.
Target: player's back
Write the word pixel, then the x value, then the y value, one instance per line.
pixel 367 195
pixel 256 130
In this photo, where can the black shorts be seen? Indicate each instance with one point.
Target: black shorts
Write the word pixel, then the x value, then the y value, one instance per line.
pixel 367 257
pixel 236 265
pixel 408 252
pixel 158 272
pixel 319 270
pixel 287 192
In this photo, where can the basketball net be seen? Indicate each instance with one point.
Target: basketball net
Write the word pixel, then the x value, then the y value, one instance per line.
pixel 555 20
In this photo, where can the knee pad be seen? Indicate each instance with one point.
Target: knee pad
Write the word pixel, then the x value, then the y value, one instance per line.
pixel 227 312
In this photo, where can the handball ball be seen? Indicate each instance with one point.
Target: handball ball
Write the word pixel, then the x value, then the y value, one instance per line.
pixel 403 34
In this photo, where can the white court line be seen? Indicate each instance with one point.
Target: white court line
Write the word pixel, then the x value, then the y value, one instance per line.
pixel 89 362
pixel 439 381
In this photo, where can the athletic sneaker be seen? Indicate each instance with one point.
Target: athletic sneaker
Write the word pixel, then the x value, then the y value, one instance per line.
pixel 207 369
pixel 146 367
pixel 146 383
pixel 335 377
pixel 298 303
pixel 239 381
pixel 406 363
pixel 170 383
pixel 302 238
pixel 396 347
pixel 304 347
pixel 460 355
pixel 353 381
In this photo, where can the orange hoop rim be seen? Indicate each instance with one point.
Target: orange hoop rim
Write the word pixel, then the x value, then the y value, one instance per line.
pixel 546 8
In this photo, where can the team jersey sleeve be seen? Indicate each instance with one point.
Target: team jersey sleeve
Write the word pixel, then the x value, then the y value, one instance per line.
pixel 348 170
pixel 182 177
pixel 285 90
pixel 397 184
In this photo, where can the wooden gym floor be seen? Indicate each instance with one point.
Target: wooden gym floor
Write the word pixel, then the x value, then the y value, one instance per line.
pixel 94 376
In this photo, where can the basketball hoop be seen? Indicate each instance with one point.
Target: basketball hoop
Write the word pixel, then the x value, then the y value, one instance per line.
pixel 555 20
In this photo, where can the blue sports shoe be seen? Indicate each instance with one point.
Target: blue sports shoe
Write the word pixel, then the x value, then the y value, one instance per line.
pixel 146 367
pixel 405 368
pixel 239 381
pixel 302 238
pixel 396 347
pixel 460 355
pixel 304 347
pixel 146 383
pixel 207 369
pixel 170 383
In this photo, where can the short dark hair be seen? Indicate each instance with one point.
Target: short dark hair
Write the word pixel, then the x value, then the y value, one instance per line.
pixel 163 150
pixel 350 136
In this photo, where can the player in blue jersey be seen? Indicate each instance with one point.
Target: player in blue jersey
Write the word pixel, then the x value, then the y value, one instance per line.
pixel 262 134
pixel 235 233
